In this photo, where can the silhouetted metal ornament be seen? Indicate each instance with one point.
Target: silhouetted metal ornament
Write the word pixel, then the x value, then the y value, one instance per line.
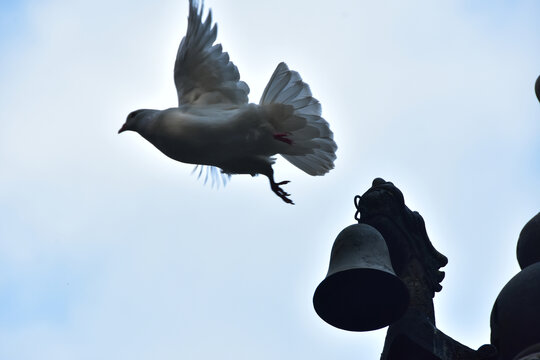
pixel 515 318
pixel 537 88
pixel 528 246
pixel 361 291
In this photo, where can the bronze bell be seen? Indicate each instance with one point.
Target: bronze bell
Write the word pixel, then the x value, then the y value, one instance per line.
pixel 361 291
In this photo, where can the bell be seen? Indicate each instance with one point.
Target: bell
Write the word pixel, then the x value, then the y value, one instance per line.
pixel 361 291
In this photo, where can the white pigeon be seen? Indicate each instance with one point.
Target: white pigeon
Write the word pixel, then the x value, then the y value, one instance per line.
pixel 214 125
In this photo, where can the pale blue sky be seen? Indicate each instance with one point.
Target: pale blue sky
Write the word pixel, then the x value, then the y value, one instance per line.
pixel 110 250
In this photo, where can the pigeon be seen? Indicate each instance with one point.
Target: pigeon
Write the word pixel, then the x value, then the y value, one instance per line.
pixel 215 126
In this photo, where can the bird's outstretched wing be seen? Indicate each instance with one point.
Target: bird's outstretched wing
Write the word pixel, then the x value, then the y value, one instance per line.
pixel 203 73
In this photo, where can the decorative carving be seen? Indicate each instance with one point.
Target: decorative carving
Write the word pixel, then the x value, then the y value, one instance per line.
pixel 417 263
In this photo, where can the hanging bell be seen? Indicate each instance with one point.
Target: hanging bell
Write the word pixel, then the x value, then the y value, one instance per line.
pixel 361 291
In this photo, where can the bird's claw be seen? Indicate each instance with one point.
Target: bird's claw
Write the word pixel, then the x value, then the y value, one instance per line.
pixel 280 192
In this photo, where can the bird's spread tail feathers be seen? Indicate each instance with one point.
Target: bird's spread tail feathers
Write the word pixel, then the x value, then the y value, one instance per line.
pixel 309 141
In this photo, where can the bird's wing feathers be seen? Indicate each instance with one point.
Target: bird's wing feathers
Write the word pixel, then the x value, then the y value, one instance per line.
pixel 203 73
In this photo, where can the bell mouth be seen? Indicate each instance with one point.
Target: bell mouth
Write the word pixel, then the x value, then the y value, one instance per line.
pixel 361 299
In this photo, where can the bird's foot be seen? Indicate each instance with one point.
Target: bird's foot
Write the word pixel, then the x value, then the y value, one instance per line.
pixel 283 137
pixel 280 192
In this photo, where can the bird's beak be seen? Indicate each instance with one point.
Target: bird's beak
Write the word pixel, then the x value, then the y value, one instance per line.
pixel 123 128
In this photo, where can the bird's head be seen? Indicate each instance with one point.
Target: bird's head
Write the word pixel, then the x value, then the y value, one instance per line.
pixel 136 119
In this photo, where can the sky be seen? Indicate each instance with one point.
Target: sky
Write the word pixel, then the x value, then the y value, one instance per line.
pixel 109 249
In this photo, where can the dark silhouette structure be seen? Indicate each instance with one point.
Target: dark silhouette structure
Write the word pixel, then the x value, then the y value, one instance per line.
pixel 515 318
pixel 355 274
pixel 537 88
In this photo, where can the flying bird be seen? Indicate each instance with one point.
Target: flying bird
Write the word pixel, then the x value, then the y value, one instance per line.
pixel 215 126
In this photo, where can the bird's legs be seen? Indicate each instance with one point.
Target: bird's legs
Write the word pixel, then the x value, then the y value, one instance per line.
pixel 275 186
pixel 254 166
pixel 278 190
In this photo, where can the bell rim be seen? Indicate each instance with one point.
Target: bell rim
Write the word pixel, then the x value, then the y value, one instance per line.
pixel 349 308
